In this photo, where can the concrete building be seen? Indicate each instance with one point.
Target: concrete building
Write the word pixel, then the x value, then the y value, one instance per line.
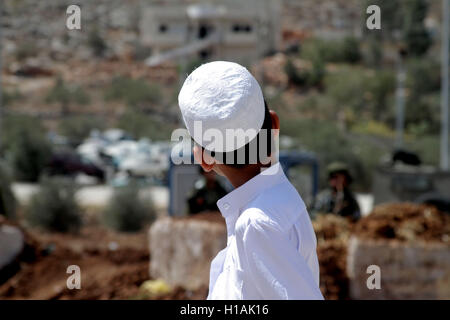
pixel 227 29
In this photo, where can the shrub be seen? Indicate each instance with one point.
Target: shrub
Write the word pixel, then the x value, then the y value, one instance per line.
pixel 317 73
pixel 141 125
pixel 423 114
pixel 54 207
pixel 423 76
pixel 65 96
pixel 330 143
pixel 346 88
pixel 380 88
pixel 26 147
pixel 427 147
pixel 126 211
pixel 306 78
pixel 26 50
pixel 350 51
pixel 190 66
pixel 416 35
pixel 7 200
pixel 295 77
pixel 346 50
pixel 366 94
pixel 134 92
pixel 96 43
pixel 11 97
pixel 77 128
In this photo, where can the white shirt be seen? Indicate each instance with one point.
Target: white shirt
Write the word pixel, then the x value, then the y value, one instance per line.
pixel 271 246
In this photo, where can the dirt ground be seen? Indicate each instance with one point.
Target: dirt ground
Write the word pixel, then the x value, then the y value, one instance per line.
pixel 400 222
pixel 332 234
pixel 405 222
pixel 113 266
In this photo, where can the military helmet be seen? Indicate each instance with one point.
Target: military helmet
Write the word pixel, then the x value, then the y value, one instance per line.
pixel 339 167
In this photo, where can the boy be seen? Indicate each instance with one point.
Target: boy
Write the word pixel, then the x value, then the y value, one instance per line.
pixel 271 246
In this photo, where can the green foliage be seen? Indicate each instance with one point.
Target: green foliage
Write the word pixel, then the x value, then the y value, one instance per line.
pixel 423 114
pixel 295 77
pixel 141 125
pixel 316 104
pixel 427 147
pixel 366 94
pixel 373 55
pixel 7 199
pixel 306 78
pixel 424 76
pixel 26 146
pixel 26 50
pixel 346 88
pixel 54 207
pixel 349 51
pixel 134 92
pixel 317 73
pixel 416 36
pixel 373 128
pixel 96 43
pixel 331 144
pixel 127 212
pixel 422 103
pixel 402 21
pixel 64 95
pixel 9 98
pixel 77 128
pixel 392 16
pixel 346 50
pixel 380 89
pixel 190 66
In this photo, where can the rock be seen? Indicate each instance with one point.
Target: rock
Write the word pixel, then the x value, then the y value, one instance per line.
pixel 182 249
pixel 11 244
pixel 419 270
pixel 152 289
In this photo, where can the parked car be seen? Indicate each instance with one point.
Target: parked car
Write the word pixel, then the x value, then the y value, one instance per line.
pixel 72 164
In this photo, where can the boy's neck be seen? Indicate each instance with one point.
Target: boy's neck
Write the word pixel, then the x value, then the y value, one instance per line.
pixel 239 176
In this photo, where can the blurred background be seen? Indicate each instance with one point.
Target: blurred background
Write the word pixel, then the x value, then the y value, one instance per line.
pixel 86 118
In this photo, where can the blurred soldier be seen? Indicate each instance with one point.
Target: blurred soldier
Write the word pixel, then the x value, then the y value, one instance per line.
pixel 207 190
pixel 338 198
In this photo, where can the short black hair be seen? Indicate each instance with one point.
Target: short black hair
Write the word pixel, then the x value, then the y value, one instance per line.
pixel 232 158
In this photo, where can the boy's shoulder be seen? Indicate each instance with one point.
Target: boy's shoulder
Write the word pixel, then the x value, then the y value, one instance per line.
pixel 277 208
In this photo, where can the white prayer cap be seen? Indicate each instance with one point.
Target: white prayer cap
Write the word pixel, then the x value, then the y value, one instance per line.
pixel 221 95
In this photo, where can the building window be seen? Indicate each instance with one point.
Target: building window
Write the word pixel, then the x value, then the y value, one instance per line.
pixel 241 28
pixel 163 28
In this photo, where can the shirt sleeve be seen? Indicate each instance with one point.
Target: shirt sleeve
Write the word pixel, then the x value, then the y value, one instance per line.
pixel 273 265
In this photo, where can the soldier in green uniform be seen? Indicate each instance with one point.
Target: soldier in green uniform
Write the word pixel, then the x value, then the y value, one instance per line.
pixel 338 198
pixel 207 190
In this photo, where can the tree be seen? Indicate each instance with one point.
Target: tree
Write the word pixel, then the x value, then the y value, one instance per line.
pixel 416 36
pixel 26 147
pixel 54 207
pixel 65 96
pixel 97 44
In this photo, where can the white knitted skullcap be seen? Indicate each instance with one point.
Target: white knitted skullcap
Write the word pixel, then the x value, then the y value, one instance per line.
pixel 221 95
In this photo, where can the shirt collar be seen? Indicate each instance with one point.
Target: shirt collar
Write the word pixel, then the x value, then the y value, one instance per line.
pixel 231 205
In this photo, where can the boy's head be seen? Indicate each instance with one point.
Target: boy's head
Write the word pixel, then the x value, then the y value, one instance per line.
pixel 225 113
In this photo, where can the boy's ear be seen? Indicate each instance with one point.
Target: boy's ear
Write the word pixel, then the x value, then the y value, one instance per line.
pixel 275 120
pixel 206 161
